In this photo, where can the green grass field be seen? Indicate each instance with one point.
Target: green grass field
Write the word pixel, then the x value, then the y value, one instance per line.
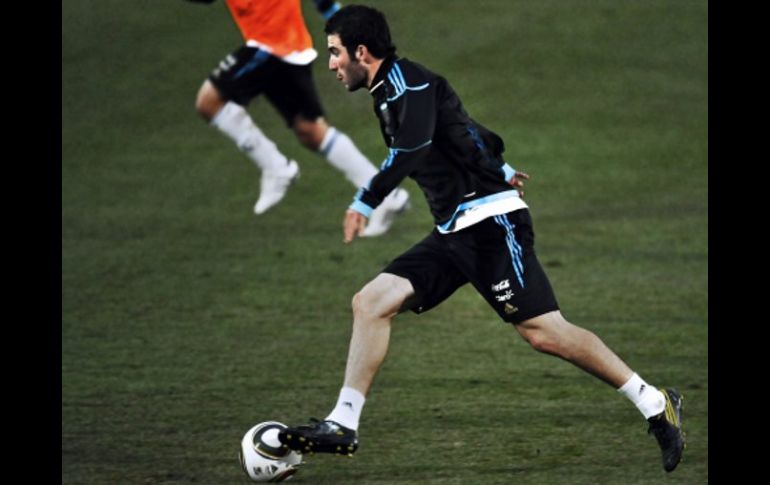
pixel 186 319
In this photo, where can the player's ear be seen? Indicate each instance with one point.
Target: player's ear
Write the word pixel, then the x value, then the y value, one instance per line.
pixel 360 52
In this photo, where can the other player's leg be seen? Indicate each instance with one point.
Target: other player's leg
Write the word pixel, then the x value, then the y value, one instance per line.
pixel 296 98
pixel 221 101
pixel 342 154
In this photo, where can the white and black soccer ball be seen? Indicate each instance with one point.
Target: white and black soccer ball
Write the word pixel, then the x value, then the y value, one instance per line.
pixel 263 457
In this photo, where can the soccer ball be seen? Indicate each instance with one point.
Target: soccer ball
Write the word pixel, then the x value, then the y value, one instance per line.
pixel 263 457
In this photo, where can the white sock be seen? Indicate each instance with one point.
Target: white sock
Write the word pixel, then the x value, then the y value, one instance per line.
pixel 648 399
pixel 234 121
pixel 347 412
pixel 343 155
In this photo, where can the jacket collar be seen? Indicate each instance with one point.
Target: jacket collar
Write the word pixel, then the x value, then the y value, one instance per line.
pixel 382 73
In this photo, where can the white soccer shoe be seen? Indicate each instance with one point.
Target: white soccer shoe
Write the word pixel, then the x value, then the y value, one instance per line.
pixel 273 186
pixel 383 216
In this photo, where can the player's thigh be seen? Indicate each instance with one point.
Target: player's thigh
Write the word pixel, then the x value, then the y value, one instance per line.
pixel 384 296
pixel 294 93
pixel 501 263
pixel 431 272
pixel 244 74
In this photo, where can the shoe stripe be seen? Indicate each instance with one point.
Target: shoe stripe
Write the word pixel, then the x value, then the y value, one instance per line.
pixel 671 415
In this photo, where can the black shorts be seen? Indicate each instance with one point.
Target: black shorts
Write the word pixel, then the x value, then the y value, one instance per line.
pixel 250 71
pixel 496 255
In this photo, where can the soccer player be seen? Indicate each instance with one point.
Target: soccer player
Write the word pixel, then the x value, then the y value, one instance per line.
pixel 483 235
pixel 276 60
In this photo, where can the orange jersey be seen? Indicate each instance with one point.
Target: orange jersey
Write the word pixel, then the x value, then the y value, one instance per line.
pixel 276 24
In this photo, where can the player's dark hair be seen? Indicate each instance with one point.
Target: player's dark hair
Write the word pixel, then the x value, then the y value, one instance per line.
pixel 360 25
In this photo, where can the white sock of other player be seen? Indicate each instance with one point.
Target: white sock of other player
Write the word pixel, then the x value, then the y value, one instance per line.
pixel 648 399
pixel 347 412
pixel 234 121
pixel 343 155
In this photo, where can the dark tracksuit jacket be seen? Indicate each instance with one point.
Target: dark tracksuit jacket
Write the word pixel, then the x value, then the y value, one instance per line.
pixel 455 160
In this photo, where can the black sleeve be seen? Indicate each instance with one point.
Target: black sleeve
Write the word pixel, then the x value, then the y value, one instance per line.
pixel 415 109
pixel 494 144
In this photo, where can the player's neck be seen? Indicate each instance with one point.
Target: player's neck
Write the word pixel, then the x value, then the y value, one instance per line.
pixel 372 69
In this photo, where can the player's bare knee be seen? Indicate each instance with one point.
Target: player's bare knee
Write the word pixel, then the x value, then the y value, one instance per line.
pixel 310 133
pixel 377 302
pixel 357 304
pixel 365 306
pixel 308 141
pixel 201 104
pixel 208 102
pixel 542 342
pixel 541 337
pixel 203 108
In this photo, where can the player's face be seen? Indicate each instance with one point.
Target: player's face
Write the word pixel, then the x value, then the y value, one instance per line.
pixel 349 71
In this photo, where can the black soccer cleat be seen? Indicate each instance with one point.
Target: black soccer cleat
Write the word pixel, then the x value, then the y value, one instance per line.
pixel 320 437
pixel 667 428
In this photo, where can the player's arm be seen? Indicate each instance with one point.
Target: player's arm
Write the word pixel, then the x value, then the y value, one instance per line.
pixel 327 8
pixel 512 176
pixel 416 114
pixel 495 145
pixel 515 178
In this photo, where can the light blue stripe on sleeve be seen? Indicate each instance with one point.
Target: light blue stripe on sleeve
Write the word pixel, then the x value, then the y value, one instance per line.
pixel 508 172
pixel 361 208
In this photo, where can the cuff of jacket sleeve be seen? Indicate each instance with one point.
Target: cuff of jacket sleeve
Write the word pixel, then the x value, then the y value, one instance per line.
pixel 361 208
pixel 508 172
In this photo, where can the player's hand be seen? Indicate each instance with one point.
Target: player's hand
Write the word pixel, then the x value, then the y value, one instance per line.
pixel 517 182
pixel 354 225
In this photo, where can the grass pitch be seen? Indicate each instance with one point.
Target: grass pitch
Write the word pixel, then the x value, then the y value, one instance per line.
pixel 186 320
